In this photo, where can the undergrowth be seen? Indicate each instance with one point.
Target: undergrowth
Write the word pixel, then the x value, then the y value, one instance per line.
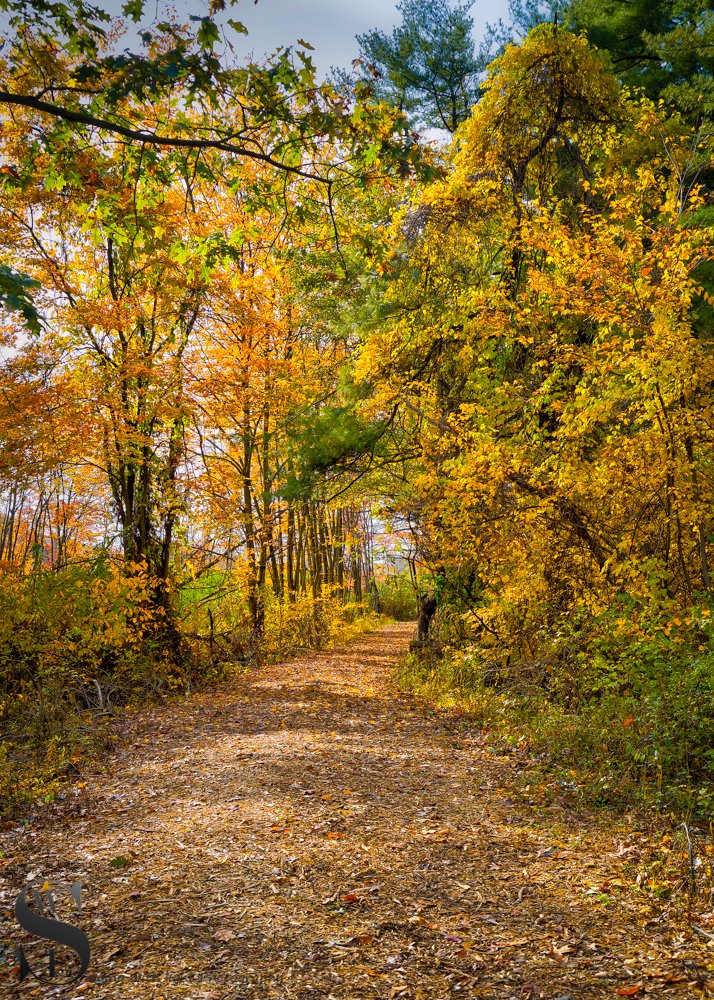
pixel 79 645
pixel 625 720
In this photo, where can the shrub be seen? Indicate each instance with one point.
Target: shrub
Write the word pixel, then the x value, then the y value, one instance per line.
pixel 311 622
pixel 74 644
pixel 625 697
pixel 397 598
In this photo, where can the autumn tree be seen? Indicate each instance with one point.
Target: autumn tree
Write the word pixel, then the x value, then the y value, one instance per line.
pixel 538 332
pixel 280 114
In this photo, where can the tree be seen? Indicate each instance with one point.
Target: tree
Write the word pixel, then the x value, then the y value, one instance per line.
pixel 666 47
pixel 278 114
pixel 524 15
pixel 538 333
pixel 165 300
pixel 124 276
pixel 429 67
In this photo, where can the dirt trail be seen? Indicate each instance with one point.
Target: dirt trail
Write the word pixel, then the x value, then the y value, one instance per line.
pixel 310 832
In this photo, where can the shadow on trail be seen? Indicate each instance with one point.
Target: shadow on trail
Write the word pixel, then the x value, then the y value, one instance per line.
pixel 306 833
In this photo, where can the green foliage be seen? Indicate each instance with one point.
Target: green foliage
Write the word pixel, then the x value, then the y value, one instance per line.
pixel 664 47
pixel 332 439
pixel 622 705
pixel 15 295
pixel 80 23
pixel 524 15
pixel 429 67
pixel 397 598
pixel 214 615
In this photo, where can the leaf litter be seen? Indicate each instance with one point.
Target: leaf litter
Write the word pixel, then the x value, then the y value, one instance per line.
pixel 309 831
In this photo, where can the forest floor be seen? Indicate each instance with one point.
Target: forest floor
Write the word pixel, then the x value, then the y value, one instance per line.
pixel 308 831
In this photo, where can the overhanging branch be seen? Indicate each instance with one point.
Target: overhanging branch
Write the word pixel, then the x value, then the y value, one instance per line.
pixel 147 136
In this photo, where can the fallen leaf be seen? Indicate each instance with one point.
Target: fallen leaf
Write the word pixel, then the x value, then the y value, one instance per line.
pixel 359 939
pixel 223 935
pixel 559 953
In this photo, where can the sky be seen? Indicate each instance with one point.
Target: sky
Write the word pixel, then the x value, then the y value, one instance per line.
pixel 331 25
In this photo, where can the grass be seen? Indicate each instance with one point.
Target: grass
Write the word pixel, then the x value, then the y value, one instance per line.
pixel 651 751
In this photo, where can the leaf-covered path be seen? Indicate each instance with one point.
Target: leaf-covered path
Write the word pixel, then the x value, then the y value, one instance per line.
pixel 310 832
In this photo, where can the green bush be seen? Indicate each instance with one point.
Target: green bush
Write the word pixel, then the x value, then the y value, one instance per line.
pixel 397 598
pixel 626 699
